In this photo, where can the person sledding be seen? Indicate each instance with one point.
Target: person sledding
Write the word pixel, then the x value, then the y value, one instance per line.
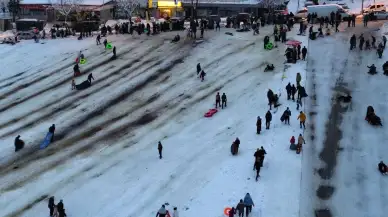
pixel 76 70
pixel 162 212
pixel 383 168
pixel 269 67
pixel 176 39
pixel 235 146
pixel 372 69
pixel 292 144
pixel 372 118
pixel 19 144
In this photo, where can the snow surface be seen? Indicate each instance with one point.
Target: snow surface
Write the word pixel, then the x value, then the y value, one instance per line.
pixel 121 175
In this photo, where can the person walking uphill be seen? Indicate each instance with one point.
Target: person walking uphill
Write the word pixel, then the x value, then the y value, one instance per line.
pixel 52 130
pixel 301 141
pixel 302 119
pixel 298 79
pixel 248 204
pixel 258 125
pixel 61 209
pixel 288 89
pixel 160 149
pixel 51 205
pixel 268 119
pixel 162 212
pixel 90 77
pixel 304 53
pixel 240 208
pixel 218 100
pixel 199 69
pixel 223 100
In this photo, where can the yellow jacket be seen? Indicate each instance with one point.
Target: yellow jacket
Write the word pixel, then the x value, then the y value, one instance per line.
pixel 302 117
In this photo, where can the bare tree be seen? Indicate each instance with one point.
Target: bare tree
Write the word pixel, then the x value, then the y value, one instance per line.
pixel 270 4
pixel 128 6
pixel 65 7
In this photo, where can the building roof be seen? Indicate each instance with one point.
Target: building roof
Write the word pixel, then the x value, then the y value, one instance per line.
pixel 48 2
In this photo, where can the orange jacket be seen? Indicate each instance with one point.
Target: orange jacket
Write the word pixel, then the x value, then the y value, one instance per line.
pixel 302 117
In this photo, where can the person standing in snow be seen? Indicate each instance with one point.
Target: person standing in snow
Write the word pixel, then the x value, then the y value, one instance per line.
pixel 198 68
pixel 248 204
pixel 286 116
pixel 98 39
pixel 293 92
pixel 270 97
pixel 162 212
pixel 73 87
pixel 298 79
pixel 51 205
pixel 268 119
pixel 223 100
pixel 61 209
pixel 301 141
pixel 76 70
pixel 240 208
pixel 175 213
pixel 52 130
pixel 302 119
pixel 258 125
pixel 298 103
pixel 202 75
pixel 19 144
pixel 288 89
pixel 160 149
pixel 90 77
pixel 218 100
pixel 304 52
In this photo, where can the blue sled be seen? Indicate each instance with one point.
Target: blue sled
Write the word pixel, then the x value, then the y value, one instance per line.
pixel 46 141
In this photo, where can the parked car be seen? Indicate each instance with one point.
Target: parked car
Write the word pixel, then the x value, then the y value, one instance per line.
pixel 375 7
pixel 25 35
pixel 379 15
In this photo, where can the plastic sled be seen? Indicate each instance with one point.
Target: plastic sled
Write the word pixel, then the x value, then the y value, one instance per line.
pixel 83 85
pixel 47 140
pixel 82 61
pixel 293 147
pixel 210 113
pixel 109 46
pixel 76 60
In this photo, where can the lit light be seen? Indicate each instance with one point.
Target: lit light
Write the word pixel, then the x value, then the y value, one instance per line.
pixel 169 4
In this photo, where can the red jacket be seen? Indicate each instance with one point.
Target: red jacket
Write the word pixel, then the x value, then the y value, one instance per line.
pixel 292 140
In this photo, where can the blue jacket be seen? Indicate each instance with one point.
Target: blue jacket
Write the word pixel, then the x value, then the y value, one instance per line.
pixel 248 200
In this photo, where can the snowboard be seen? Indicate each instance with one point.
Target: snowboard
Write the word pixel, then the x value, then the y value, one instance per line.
pixel 46 141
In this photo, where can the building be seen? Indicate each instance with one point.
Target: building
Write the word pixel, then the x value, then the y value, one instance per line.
pixel 165 8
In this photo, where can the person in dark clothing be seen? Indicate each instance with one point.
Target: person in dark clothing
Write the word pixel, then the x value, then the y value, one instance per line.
pixel 162 212
pixel 362 40
pixel 353 42
pixel 202 75
pixel 373 41
pixel 286 116
pixel 19 144
pixel 223 100
pixel 61 209
pixel 51 205
pixel 270 97
pixel 268 119
pixel 218 100
pixel 304 53
pixel 52 130
pixel 353 20
pixel 384 41
pixel 90 77
pixel 98 38
pixel 160 149
pixel 148 29
pixel 114 53
pixel 269 67
pixel 199 69
pixel 105 42
pixel 232 212
pixel 298 49
pixel 380 51
pixel 248 204
pixel 288 89
pixel 258 125
pixel 293 92
pixel 240 208
pixel 372 69
pixel 383 168
pixel 76 70
pixel 176 39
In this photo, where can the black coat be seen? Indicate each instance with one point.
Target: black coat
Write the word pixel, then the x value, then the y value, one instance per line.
pixel 288 88
pixel 52 129
pixel 268 116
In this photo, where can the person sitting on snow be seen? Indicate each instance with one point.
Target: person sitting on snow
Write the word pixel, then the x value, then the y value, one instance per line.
pixel 269 67
pixel 372 69
pixel 383 168
pixel 176 39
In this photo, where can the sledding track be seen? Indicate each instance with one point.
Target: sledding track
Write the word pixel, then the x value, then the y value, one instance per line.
pixel 342 180
pixel 146 94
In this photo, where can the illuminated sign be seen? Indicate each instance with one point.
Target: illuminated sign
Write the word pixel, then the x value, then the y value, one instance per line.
pixel 169 4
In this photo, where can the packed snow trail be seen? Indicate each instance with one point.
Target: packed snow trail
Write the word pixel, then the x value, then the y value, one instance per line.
pixel 117 150
pixel 343 172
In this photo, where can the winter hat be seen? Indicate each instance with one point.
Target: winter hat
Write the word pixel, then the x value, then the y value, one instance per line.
pixel 258 117
pixel 175 208
pixel 163 206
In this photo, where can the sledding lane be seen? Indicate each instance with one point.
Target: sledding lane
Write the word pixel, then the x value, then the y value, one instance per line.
pixel 343 175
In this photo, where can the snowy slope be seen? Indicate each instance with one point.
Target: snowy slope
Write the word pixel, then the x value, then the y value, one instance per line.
pixel 107 134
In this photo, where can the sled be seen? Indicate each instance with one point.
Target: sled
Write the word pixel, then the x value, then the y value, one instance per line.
pixel 84 85
pixel 82 61
pixel 210 113
pixel 109 46
pixel 269 46
pixel 76 74
pixel 47 140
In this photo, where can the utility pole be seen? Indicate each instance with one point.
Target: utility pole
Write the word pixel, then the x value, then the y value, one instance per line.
pixel 362 7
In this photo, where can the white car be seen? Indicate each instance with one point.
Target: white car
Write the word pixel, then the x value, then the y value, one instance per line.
pixel 374 8
pixel 380 15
